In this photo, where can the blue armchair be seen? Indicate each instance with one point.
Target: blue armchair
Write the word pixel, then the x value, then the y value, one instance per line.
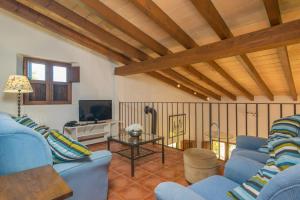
pixel 247 146
pixel 285 185
pixel 21 148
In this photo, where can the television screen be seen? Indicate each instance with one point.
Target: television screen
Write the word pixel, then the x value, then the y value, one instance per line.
pixel 95 110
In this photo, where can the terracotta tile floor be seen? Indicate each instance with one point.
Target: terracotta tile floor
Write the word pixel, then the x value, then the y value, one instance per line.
pixel 149 172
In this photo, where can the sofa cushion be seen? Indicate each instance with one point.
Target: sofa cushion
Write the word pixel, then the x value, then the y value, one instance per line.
pixel 214 187
pixel 254 155
pixel 65 149
pixel 28 122
pixel 284 153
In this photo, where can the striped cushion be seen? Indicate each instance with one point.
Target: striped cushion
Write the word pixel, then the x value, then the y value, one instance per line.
pixel 27 121
pixel 284 128
pixel 65 149
pixel 284 153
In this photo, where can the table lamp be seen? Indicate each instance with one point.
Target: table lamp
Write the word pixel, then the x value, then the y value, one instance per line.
pixel 18 84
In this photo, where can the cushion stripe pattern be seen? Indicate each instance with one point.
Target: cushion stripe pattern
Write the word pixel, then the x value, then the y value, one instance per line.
pixel 65 149
pixel 284 150
pixel 28 122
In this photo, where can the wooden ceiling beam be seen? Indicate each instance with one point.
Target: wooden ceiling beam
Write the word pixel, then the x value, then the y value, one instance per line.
pixel 54 27
pixel 221 71
pixel 175 84
pixel 183 79
pixel 49 24
pixel 155 13
pixel 165 22
pixel 215 20
pixel 140 36
pixel 273 12
pixel 124 25
pixel 284 34
pixel 192 71
pixel 98 32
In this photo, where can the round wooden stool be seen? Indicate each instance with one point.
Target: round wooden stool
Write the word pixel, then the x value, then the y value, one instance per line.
pixel 199 164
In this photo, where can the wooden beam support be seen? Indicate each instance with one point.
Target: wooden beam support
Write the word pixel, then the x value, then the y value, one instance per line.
pixel 221 71
pixel 98 32
pixel 215 20
pixel 183 79
pixel 52 26
pixel 124 25
pixel 192 71
pixel 273 12
pixel 158 16
pixel 49 24
pixel 155 13
pixel 128 28
pixel 284 34
pixel 175 84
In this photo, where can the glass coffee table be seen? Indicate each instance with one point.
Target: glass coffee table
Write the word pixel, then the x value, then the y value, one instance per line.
pixel 135 149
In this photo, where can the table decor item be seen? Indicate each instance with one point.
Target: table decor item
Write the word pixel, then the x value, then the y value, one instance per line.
pixel 134 130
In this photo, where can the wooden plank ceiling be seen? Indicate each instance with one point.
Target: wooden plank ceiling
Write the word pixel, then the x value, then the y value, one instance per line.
pixel 145 33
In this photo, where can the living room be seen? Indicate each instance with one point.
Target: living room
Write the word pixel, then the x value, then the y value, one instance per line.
pixel 143 99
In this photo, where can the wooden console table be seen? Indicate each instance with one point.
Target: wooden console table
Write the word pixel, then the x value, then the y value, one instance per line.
pixel 34 184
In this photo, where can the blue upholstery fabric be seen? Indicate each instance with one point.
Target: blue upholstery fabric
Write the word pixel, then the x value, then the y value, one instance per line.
pixel 214 187
pixel 248 146
pixel 285 185
pixel 251 154
pixel 174 191
pixel 22 148
pixel 239 169
pixel 250 142
pixel 82 175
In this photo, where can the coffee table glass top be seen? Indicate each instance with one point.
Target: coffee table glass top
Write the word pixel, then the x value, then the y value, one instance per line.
pixel 125 138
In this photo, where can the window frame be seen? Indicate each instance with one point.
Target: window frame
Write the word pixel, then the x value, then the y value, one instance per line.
pixel 49 64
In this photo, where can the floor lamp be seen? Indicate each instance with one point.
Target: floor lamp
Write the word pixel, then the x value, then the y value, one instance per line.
pixel 18 84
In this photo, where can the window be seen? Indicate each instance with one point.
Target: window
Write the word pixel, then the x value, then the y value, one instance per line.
pixel 51 81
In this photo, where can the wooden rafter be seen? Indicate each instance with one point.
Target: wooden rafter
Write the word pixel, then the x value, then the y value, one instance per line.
pixel 128 28
pixel 215 20
pixel 57 28
pixel 62 30
pixel 98 32
pixel 192 71
pixel 273 12
pixel 155 13
pixel 284 34
pixel 165 22
pixel 82 22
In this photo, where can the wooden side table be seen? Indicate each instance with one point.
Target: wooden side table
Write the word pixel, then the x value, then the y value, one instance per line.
pixel 42 183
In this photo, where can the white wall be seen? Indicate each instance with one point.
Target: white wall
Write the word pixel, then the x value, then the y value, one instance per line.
pixel 17 37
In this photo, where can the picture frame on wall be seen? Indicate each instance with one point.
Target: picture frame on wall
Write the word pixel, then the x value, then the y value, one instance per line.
pixel 176 125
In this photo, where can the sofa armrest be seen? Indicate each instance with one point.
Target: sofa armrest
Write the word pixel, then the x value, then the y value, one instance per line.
pixel 239 169
pixel 250 142
pixel 174 191
pixel 88 178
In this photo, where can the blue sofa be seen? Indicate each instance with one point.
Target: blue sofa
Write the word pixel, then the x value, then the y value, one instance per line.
pixel 247 146
pixel 243 164
pixel 21 148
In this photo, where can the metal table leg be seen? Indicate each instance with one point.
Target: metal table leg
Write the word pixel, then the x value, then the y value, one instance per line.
pixel 108 143
pixel 163 151
pixel 132 161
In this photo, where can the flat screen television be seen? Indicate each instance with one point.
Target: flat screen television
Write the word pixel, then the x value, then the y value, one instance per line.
pixel 95 110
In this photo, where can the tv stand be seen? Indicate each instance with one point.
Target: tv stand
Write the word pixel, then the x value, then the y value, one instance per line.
pixel 91 133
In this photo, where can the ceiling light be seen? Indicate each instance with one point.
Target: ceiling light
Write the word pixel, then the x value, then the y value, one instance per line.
pixel 195 93
pixel 178 85
pixel 207 98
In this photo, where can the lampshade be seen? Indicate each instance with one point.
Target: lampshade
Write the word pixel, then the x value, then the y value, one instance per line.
pixel 17 83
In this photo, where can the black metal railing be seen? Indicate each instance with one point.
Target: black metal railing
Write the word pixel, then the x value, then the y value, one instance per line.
pixel 208 125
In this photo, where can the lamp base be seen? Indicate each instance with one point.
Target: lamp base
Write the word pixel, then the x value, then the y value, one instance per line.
pixel 19 103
